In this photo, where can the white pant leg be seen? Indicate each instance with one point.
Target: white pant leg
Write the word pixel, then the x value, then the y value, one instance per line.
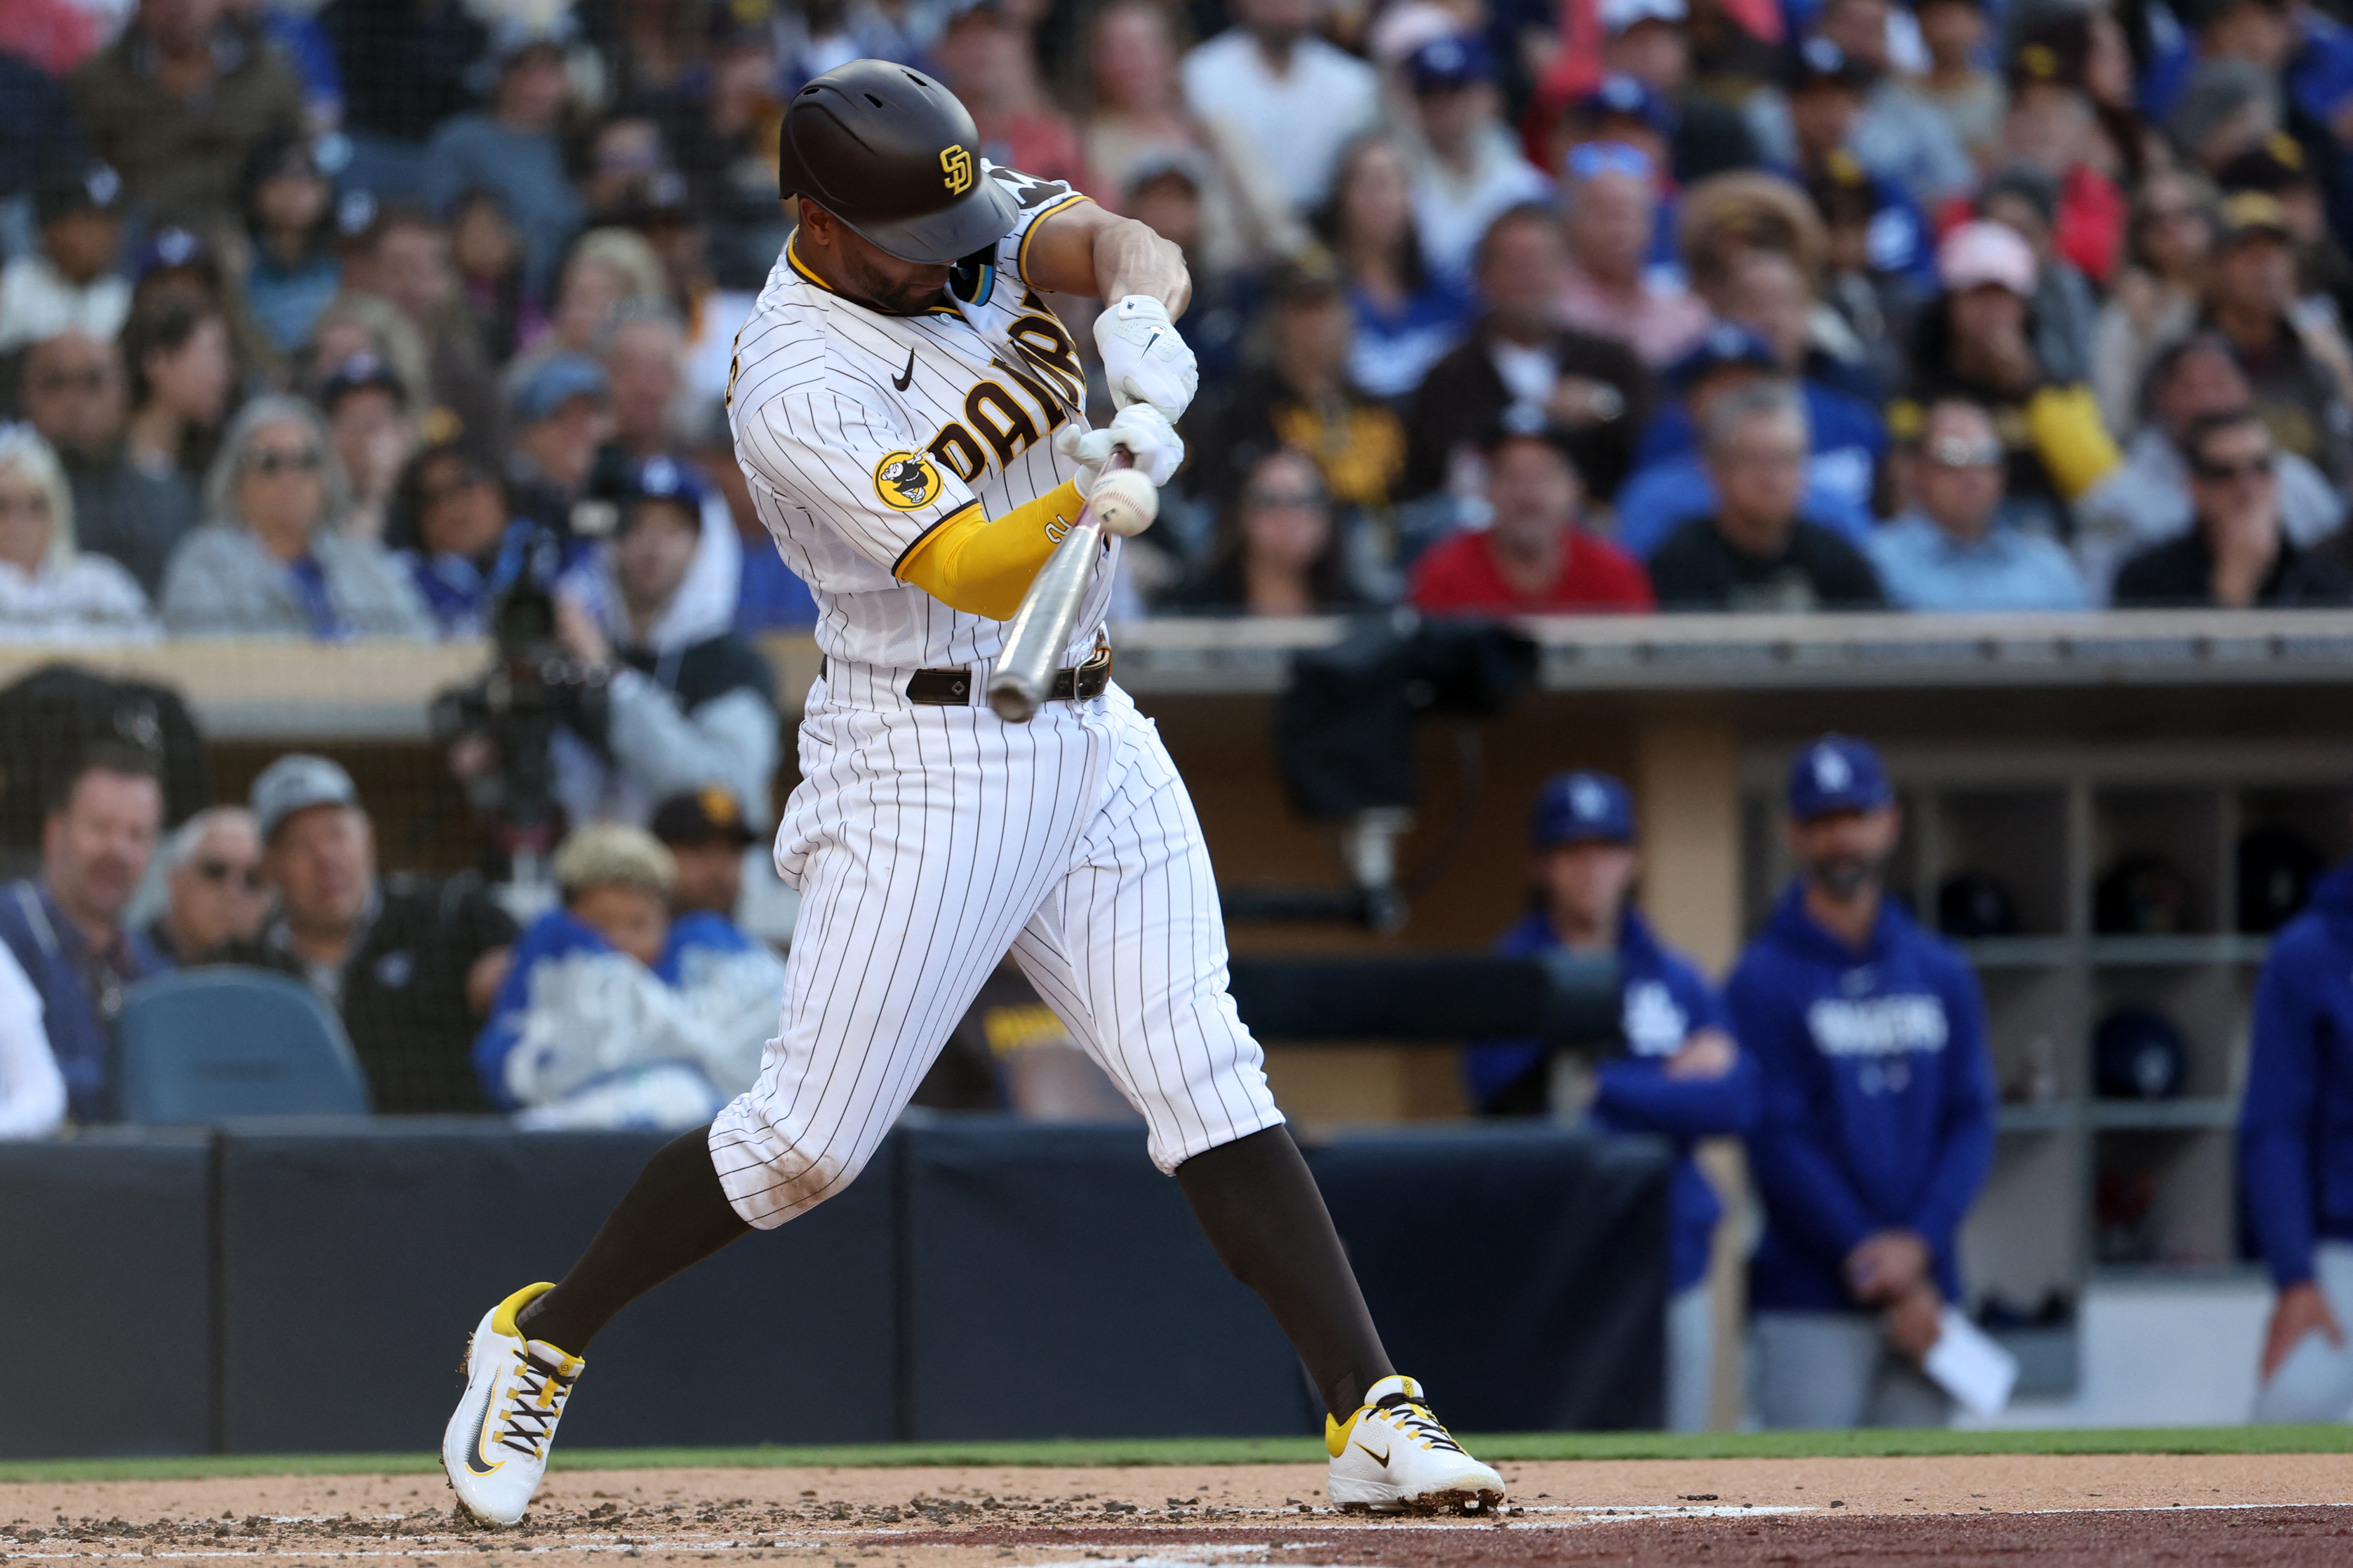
pixel 922 840
pixel 1812 1369
pixel 1690 1358
pixel 1130 951
pixel 2315 1382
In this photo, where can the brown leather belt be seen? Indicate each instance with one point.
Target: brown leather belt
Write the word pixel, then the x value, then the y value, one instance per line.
pixel 953 687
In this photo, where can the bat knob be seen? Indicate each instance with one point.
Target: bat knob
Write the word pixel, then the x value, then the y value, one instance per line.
pixel 1012 700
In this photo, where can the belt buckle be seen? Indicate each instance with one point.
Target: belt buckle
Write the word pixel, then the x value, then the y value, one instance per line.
pixel 1095 672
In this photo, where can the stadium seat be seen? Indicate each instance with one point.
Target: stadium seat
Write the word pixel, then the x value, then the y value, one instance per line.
pixel 211 1043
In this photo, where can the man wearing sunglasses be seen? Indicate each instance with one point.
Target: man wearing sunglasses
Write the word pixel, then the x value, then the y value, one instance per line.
pixel 2237 555
pixel 2146 500
pixel 1952 548
pixel 212 871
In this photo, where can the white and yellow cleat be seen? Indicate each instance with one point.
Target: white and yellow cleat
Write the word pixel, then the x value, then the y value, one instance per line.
pixel 495 1448
pixel 1393 1457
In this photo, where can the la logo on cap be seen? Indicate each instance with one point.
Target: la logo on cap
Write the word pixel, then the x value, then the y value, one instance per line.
pixel 1587 799
pixel 1832 772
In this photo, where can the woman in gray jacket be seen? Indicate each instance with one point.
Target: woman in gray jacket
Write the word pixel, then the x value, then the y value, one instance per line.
pixel 271 559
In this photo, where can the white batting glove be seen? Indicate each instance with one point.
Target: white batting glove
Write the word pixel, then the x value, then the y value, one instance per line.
pixel 1143 358
pixel 1139 429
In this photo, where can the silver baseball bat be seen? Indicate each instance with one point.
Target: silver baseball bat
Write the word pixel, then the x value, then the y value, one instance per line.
pixel 1049 617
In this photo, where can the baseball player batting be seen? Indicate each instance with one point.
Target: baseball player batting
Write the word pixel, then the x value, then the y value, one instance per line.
pixel 905 405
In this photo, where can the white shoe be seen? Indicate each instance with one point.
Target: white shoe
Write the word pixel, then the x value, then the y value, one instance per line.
pixel 1393 1457
pixel 495 1448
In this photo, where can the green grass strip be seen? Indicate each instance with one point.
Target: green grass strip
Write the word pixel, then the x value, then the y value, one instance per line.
pixel 1143 1451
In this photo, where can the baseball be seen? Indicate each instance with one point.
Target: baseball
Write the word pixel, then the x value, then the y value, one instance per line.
pixel 1124 502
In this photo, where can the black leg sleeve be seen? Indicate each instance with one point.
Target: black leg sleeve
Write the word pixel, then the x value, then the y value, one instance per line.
pixel 674 1216
pixel 1262 1214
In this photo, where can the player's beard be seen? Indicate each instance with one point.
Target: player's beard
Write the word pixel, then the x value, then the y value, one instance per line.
pixel 1845 875
pixel 910 294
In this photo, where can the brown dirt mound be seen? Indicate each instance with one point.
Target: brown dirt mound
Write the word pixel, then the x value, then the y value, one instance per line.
pixel 2256 1510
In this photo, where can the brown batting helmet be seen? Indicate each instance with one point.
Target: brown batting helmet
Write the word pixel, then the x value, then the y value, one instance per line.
pixel 892 154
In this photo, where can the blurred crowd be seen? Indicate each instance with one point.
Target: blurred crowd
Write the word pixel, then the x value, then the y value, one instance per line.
pixel 341 320
pixel 635 998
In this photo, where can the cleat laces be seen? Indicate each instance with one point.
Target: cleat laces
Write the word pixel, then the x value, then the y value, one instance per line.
pixel 1413 1420
pixel 536 1399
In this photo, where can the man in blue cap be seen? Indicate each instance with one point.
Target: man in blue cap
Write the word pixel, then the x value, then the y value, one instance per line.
pixel 1680 1076
pixel 687 703
pixel 563 413
pixel 1474 169
pixel 1878 1121
pixel 1671 486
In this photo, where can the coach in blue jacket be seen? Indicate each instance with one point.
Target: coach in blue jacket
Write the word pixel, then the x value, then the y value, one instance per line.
pixel 2296 1155
pixel 1682 1075
pixel 1878 1121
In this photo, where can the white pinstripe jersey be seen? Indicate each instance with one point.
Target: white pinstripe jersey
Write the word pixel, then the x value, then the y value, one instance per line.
pixel 861 431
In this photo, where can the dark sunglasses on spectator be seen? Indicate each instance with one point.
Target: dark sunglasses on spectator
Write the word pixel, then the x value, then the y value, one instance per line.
pixel 1592 159
pixel 1960 452
pixel 217 872
pixel 53 381
pixel 303 462
pixel 2222 473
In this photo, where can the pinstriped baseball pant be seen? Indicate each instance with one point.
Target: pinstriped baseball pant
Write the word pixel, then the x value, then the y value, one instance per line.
pixel 927 842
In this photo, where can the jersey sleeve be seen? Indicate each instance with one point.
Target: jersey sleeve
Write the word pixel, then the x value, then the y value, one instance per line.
pixel 854 466
pixel 1040 200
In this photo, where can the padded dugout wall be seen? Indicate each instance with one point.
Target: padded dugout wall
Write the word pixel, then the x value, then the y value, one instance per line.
pixel 106 1311
pixel 373 1248
pixel 185 1291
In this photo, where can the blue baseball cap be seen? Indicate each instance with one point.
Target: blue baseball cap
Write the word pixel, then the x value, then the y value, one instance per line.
pixel 1836 773
pixel 557 381
pixel 1582 808
pixel 1631 98
pixel 1724 345
pixel 1450 61
pixel 170 249
pixel 665 479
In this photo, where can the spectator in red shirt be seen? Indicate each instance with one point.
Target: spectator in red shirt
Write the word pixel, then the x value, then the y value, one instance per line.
pixel 1534 557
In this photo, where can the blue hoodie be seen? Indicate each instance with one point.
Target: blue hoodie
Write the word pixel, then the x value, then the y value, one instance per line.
pixel 560 934
pixel 1666 1000
pixel 2296 1128
pixel 1879 1102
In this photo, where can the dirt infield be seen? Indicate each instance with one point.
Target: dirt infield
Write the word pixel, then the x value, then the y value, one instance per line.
pixel 2062 1511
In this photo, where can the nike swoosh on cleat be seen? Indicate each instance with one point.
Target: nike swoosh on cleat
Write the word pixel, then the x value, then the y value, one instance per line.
pixel 474 1465
pixel 1382 1459
pixel 904 378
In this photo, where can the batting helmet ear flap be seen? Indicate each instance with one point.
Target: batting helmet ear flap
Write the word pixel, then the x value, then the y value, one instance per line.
pixel 894 156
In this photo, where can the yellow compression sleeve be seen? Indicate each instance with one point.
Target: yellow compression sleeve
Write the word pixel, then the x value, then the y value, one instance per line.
pixel 982 565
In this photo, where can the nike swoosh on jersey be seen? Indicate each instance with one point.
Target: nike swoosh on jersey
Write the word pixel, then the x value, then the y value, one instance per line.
pixel 904 378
